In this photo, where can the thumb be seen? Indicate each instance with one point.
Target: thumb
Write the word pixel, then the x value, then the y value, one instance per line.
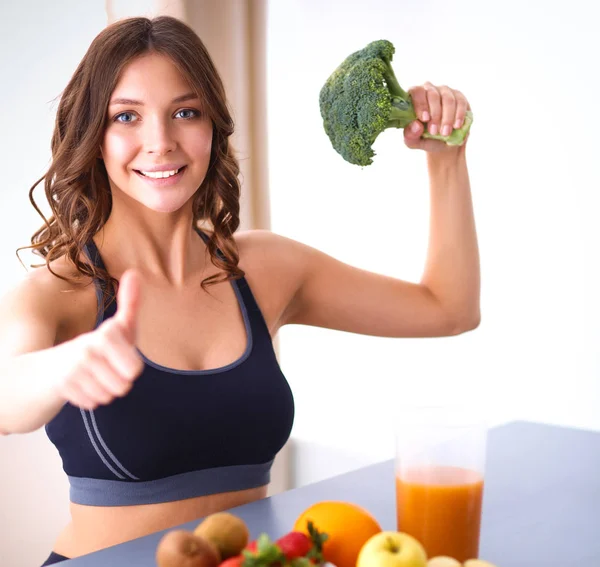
pixel 413 133
pixel 128 302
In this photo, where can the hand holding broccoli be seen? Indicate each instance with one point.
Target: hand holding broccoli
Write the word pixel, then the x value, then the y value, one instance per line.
pixel 443 118
pixel 362 97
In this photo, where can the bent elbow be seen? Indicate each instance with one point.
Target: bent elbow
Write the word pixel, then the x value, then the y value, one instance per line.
pixel 466 324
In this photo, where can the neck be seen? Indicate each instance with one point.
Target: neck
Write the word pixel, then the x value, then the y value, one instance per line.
pixel 161 246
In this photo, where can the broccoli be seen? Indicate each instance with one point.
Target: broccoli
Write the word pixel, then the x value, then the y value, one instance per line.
pixel 362 97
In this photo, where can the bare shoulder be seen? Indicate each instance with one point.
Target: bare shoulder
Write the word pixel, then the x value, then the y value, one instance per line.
pixel 270 248
pixel 43 310
pixel 274 267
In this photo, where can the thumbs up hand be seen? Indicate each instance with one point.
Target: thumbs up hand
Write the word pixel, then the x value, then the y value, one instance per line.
pixel 103 364
pixel 128 302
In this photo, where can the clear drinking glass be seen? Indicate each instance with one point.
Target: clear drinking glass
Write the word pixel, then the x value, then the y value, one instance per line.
pixel 439 470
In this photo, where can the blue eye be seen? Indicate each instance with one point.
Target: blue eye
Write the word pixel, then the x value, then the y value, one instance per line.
pixel 118 117
pixel 191 113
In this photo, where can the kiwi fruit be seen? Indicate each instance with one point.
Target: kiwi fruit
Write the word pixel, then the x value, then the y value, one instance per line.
pixel 228 533
pixel 181 548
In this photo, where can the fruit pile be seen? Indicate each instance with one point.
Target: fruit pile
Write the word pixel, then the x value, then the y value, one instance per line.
pixel 222 540
pixel 339 533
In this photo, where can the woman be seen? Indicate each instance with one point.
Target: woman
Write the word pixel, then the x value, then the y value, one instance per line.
pixel 145 348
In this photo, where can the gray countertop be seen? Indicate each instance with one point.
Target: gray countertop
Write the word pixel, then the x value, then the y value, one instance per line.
pixel 541 503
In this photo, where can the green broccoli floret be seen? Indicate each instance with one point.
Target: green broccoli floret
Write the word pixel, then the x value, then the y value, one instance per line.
pixel 362 97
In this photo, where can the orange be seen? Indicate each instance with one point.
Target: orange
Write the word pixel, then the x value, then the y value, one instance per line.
pixel 348 527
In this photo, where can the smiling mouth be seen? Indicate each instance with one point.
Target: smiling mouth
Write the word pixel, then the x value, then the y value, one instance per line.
pixel 160 174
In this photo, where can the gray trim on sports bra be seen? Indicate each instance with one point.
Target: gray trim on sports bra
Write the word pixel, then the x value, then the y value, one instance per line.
pixel 84 414
pixel 99 492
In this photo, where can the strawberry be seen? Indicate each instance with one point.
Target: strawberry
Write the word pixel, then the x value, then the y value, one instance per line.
pixel 294 544
pixel 252 546
pixel 262 553
pixel 295 549
pixel 235 561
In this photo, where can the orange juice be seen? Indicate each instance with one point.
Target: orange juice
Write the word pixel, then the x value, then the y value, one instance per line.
pixel 441 507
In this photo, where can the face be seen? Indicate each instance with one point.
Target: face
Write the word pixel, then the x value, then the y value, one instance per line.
pixel 157 143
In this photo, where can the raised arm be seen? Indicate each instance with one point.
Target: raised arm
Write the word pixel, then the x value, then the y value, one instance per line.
pixel 445 301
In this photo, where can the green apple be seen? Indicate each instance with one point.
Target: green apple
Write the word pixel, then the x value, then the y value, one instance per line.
pixel 444 561
pixel 478 563
pixel 392 549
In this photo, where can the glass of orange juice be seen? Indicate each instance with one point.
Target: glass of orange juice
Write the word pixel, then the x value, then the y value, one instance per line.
pixel 439 470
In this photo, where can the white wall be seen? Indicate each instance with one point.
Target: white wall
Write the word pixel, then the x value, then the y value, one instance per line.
pixel 530 72
pixel 41 44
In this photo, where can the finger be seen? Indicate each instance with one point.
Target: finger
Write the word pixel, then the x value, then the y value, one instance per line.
pixel 108 377
pixel 419 100
pixel 93 389
pixel 115 348
pixel 413 133
pixel 435 108
pixel 448 110
pixel 75 394
pixel 462 105
pixel 128 300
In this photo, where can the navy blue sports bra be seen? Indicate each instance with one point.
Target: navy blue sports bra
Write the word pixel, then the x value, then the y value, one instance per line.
pixel 180 433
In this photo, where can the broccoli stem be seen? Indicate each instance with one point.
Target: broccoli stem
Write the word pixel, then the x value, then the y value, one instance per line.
pixel 393 85
pixel 402 113
pixel 456 137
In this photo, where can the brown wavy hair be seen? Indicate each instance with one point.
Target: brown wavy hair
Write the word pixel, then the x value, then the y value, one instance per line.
pixel 76 183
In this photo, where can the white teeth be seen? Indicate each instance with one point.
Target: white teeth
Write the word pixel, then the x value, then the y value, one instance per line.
pixel 160 174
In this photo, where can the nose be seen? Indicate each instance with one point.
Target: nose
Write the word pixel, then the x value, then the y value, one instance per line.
pixel 159 138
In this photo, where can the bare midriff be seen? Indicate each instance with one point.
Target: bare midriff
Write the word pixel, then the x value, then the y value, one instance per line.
pixel 93 528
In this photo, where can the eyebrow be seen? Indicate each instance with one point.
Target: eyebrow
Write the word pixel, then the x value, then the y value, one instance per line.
pixel 133 102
